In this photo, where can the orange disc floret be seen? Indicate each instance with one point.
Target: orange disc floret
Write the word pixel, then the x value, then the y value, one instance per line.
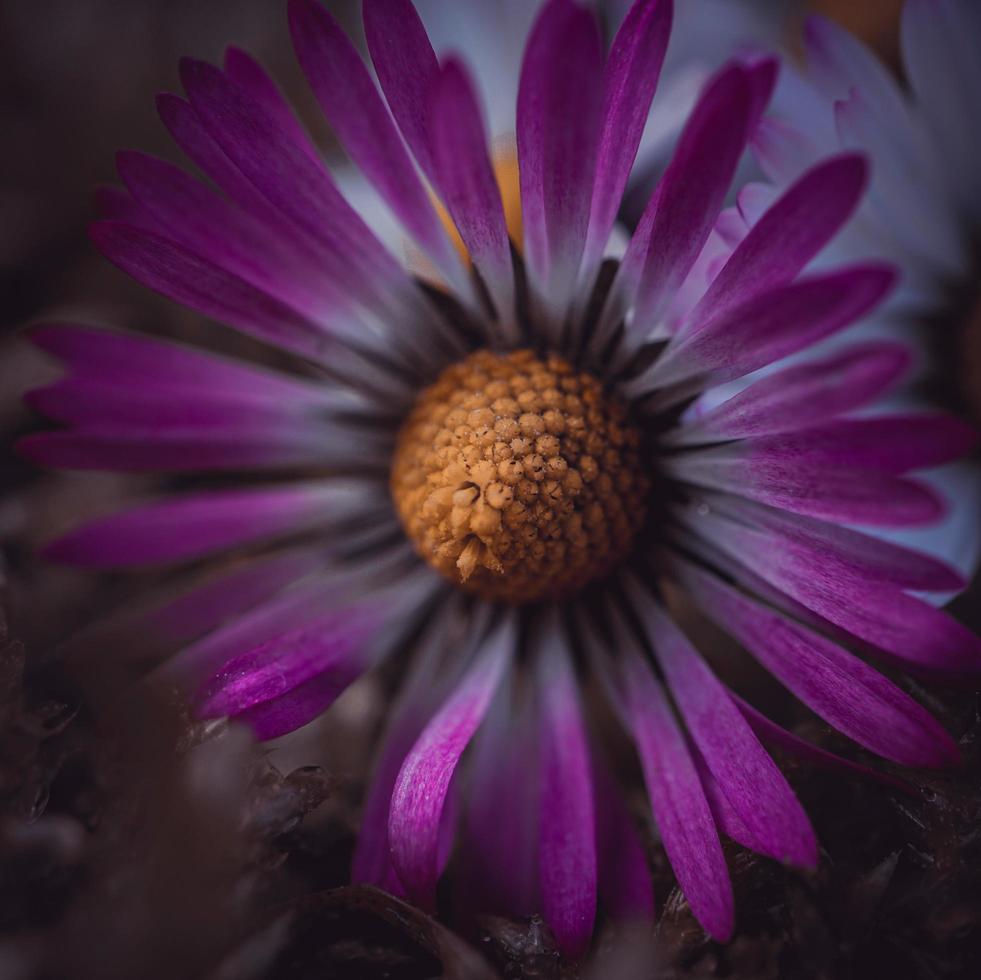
pixel 519 478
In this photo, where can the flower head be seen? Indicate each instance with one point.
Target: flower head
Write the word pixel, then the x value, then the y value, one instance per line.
pixel 505 464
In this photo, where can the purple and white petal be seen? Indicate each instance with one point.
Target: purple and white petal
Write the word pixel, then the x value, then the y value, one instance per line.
pixel 567 848
pixel 420 790
pixel 836 685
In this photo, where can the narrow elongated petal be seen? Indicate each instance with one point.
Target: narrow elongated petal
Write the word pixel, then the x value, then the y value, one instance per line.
pixel 467 185
pixel 141 362
pixel 214 229
pixel 769 731
pixel 355 110
pixel 801 395
pixel 299 187
pixel 567 823
pixel 680 808
pixel 753 786
pixel 501 862
pixel 181 528
pixel 558 121
pixel 836 685
pixel 407 69
pixel 421 788
pixel 839 550
pixel 830 575
pixel 144 449
pixel 426 684
pixel 788 236
pixel 252 78
pixel 625 886
pixel 890 443
pixel 629 80
pixel 839 62
pixel 687 201
pixel 773 325
pixel 846 495
pixel 285 682
pixel 192 281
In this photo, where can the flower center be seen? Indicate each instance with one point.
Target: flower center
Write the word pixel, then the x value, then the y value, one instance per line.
pixel 519 478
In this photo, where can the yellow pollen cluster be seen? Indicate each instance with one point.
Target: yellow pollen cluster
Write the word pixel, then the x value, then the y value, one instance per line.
pixel 519 478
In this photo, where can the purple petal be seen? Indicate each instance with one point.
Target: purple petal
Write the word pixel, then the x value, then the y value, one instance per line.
pixel 407 69
pixel 184 277
pixel 298 186
pixel 801 395
pixel 840 550
pixel 836 685
pixel 425 687
pixel 677 799
pixel 228 595
pixel 466 182
pixel 283 683
pixel 629 80
pixel 773 325
pixel 252 78
pixel 358 115
pixel 625 885
pixel 789 235
pixel 891 443
pixel 421 788
pixel 687 201
pixel 144 449
pixel 501 862
pixel 192 136
pixel 819 758
pixel 856 588
pixel 753 787
pixel 567 852
pixel 558 124
pixel 183 528
pixel 846 495
pixel 203 222
pixel 269 619
pixel 140 362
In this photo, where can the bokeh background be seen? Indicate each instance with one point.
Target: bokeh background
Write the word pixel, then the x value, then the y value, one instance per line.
pixel 134 843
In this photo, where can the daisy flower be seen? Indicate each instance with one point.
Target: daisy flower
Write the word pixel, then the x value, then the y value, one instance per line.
pixel 487 466
pixel 923 208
